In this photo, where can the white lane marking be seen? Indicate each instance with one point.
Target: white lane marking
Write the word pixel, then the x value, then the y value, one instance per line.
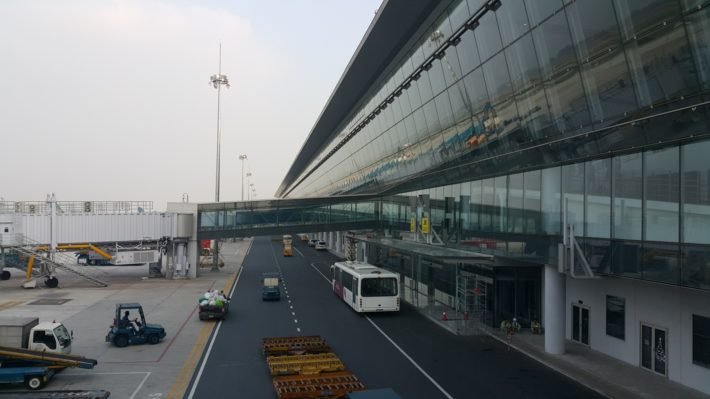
pixel 299 252
pixel 214 337
pixel 140 386
pixel 436 384
pixel 135 392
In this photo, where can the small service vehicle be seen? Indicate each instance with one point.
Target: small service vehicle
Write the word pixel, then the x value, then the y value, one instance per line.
pixel 321 246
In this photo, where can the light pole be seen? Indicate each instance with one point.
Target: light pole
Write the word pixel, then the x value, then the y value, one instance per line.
pixel 217 81
pixel 251 189
pixel 248 185
pixel 242 157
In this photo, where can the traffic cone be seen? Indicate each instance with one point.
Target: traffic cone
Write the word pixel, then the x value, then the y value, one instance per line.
pixel 444 317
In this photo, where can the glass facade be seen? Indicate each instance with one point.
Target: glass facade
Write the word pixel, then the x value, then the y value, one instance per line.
pixel 504 118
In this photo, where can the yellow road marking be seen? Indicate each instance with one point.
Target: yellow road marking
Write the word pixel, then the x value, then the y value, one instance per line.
pixel 9 304
pixel 188 368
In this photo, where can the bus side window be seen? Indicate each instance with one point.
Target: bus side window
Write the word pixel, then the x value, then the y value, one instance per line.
pixel 356 286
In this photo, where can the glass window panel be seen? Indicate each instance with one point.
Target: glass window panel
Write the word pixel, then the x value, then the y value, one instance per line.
pixel 696 266
pixel 538 10
pixel 616 316
pixel 554 45
pixel 436 77
pixel 691 4
pixel 522 61
pixel 425 91
pixel 698 26
pixel 608 85
pixel 513 20
pixel 660 263
pixel 497 79
pixel 532 204
pixel 662 191
pixel 628 180
pixel 458 13
pixel 432 118
pixel 701 341
pixel 551 200
pixel 568 105
pixel 459 102
pixel 488 36
pixel 488 195
pixel 573 188
pixel 534 112
pixel 594 27
pixel 452 68
pixel 637 16
pixel 500 204
pixel 476 201
pixel 598 198
pixel 443 110
pixel 696 193
pixel 661 66
pixel 516 221
pixel 413 94
pixel 468 52
pixel 420 125
pixel 475 92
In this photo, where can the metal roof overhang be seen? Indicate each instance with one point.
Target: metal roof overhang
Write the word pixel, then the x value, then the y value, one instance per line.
pixel 394 25
pixel 447 254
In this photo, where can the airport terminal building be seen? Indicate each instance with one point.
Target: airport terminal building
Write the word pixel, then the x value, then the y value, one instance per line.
pixel 547 160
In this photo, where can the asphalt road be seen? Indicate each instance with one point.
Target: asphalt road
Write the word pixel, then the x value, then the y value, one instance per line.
pixel 428 362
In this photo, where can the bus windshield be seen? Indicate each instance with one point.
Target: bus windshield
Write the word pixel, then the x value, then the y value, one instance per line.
pixel 379 286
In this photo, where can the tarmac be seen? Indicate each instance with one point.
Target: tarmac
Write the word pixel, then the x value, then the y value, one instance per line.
pixel 165 370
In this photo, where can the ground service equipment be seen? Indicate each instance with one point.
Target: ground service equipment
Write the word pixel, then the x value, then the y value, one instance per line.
pixel 271 291
pixel 97 394
pixel 299 345
pixel 36 368
pixel 133 331
pixel 29 333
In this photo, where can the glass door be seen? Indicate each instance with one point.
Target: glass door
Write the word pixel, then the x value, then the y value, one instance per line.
pixel 580 324
pixel 654 349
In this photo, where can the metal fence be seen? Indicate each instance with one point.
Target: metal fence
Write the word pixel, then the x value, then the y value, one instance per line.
pixel 77 207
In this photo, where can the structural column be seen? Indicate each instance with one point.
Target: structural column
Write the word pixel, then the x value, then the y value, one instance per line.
pixel 331 242
pixel 339 242
pixel 554 311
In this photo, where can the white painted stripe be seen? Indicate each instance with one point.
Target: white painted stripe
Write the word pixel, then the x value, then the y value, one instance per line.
pixel 436 384
pixel 209 348
pixel 299 252
pixel 140 386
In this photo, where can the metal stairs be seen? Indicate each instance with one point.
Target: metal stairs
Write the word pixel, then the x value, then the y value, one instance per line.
pixel 57 264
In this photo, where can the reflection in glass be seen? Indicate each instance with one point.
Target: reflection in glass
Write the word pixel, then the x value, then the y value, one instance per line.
pixel 488 36
pixel 573 188
pixel 661 65
pixel 500 204
pixel 608 84
pixel 593 25
pixel 696 266
pixel 662 192
pixel 551 200
pixel 660 263
pixel 628 193
pixel 554 45
pixel 513 20
pixel 637 16
pixel 598 198
pixel 696 193
pixel 516 221
pixel 538 10
pixel 532 204
pixel 698 26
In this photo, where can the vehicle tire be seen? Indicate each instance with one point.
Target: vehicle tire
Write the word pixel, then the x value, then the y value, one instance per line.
pixel 51 282
pixel 34 383
pixel 121 340
pixel 153 339
pixel 5 275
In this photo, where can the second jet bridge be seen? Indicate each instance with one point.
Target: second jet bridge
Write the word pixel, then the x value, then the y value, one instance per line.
pixel 282 216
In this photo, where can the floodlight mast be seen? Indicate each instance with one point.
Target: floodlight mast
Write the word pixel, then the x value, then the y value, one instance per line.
pixel 217 81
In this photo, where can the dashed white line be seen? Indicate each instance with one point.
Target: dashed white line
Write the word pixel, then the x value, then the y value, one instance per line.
pixel 299 252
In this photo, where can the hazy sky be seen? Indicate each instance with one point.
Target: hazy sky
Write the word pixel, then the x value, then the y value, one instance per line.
pixel 109 100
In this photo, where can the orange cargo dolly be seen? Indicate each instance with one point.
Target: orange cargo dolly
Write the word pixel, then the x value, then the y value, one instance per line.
pixel 324 386
pixel 294 345
pixel 304 364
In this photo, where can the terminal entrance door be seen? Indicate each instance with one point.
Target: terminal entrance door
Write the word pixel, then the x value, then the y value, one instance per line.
pixel 654 349
pixel 580 324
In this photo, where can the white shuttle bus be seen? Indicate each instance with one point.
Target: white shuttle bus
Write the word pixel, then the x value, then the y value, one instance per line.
pixel 366 288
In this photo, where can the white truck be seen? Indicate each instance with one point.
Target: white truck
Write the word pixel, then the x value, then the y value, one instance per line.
pixel 29 333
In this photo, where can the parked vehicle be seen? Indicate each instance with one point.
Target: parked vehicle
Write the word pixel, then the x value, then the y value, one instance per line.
pixel 312 242
pixel 321 246
pixel 288 250
pixel 29 333
pixel 364 287
pixel 271 290
pixel 125 331
pixel 35 368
